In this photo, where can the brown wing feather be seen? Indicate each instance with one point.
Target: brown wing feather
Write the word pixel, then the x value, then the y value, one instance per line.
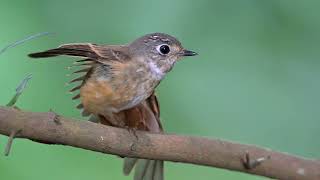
pixel 145 116
pixel 82 50
pixel 99 53
pixel 154 106
pixel 94 55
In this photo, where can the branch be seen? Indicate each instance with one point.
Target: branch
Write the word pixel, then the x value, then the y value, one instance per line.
pixel 50 128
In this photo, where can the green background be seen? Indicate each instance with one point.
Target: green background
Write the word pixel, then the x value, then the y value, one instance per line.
pixel 255 81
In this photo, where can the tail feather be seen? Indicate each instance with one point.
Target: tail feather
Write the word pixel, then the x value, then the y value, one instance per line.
pixel 144 169
pixel 158 172
pixel 128 165
pixel 149 174
pixel 141 169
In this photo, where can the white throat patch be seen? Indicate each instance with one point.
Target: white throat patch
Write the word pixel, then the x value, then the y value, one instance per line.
pixel 156 70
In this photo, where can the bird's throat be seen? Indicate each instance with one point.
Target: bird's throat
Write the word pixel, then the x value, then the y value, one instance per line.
pixel 156 70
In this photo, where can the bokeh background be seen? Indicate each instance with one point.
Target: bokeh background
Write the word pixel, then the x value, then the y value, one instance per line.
pixel 255 81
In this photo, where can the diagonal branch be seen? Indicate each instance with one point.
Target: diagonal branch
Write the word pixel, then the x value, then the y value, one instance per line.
pixel 52 129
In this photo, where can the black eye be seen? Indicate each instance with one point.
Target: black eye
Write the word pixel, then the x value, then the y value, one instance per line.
pixel 164 49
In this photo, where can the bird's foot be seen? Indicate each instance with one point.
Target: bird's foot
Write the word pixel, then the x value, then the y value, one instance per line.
pixel 133 131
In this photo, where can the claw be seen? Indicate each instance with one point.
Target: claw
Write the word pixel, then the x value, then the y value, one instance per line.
pixel 132 131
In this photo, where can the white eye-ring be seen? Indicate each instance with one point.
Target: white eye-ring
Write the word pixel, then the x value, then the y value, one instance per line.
pixel 163 49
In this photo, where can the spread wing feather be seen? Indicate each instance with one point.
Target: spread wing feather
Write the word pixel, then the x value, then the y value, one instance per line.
pixel 93 54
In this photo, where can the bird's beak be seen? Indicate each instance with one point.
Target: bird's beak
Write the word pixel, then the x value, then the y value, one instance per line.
pixel 186 52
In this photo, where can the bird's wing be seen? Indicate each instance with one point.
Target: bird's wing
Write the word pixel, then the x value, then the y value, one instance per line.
pixel 92 55
pixel 87 50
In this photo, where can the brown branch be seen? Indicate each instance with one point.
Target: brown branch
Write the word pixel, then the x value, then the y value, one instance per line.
pixel 43 127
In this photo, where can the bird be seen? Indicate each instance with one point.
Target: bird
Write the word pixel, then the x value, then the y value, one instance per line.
pixel 118 85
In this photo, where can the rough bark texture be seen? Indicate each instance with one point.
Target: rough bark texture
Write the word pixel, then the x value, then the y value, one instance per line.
pixel 50 128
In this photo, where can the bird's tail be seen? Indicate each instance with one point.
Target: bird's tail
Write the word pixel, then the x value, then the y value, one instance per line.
pixel 144 169
pixel 145 117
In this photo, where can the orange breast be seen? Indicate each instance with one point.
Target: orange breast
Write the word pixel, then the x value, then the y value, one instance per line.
pixel 102 94
pixel 97 96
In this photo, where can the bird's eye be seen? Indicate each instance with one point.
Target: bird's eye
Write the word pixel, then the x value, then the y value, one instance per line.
pixel 163 49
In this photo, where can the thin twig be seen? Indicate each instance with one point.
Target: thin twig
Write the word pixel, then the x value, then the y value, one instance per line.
pixel 22 41
pixel 10 141
pixel 24 82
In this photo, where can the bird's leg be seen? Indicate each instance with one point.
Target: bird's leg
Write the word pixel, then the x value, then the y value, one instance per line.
pixel 132 130
pixel 106 121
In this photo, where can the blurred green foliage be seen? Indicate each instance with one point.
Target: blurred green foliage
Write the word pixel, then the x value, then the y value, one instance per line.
pixel 255 81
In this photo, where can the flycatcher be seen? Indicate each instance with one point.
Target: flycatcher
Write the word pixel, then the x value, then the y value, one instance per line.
pixel 118 85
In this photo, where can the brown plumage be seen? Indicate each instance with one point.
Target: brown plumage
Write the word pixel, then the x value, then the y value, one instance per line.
pixel 144 116
pixel 117 88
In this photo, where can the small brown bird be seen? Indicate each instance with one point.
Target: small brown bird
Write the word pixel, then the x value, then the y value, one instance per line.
pixel 118 86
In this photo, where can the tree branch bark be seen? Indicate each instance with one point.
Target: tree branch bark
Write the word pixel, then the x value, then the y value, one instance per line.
pixel 50 128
